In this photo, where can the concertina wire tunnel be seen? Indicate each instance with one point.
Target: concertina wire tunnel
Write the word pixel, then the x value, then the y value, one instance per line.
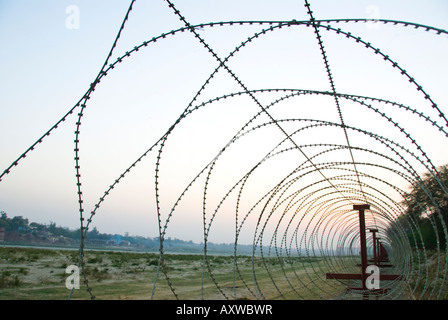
pixel 307 212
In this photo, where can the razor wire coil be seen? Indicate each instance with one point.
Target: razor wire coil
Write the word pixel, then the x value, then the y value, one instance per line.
pixel 328 232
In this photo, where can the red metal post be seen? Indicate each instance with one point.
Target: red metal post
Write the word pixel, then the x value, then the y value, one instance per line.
pixel 379 253
pixel 378 248
pixel 357 276
pixel 383 253
pixel 362 235
pixel 375 256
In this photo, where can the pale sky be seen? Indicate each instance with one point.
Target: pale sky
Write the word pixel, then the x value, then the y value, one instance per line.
pixel 52 51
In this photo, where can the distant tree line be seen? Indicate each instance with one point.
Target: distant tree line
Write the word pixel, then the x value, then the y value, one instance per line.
pixel 21 225
pixel 13 224
pixel 426 211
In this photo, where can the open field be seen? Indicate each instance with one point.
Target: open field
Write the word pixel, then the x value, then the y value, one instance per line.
pixel 35 273
pixel 40 274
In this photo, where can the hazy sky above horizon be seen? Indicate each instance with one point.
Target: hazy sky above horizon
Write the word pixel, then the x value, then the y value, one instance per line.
pixel 53 50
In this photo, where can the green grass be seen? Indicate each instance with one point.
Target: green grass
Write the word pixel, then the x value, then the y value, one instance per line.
pixel 31 273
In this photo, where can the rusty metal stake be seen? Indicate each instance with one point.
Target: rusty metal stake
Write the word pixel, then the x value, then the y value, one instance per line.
pixel 379 254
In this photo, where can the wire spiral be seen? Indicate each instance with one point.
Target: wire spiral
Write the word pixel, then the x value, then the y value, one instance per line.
pixel 286 180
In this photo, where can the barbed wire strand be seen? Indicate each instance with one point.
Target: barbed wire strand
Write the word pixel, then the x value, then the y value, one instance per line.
pixel 326 209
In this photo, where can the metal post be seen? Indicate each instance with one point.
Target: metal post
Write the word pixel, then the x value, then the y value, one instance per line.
pixel 375 255
pixel 362 234
pixel 378 251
